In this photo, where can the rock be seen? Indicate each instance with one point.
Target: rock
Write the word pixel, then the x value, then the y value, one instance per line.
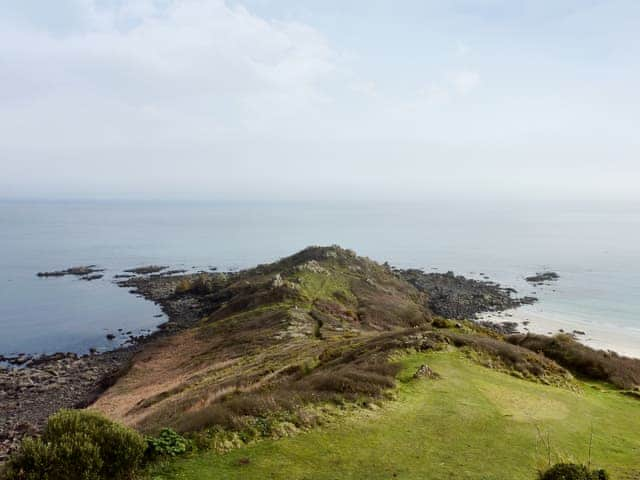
pixel 82 271
pixel 92 277
pixel 110 336
pixel 20 360
pixel 425 372
pixel 312 266
pixel 541 277
pixel 146 269
pixel 277 281
pixel 459 298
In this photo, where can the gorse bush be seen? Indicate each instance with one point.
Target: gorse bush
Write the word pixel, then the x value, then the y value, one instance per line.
pixel 74 457
pixel 572 471
pixel 78 445
pixel 167 444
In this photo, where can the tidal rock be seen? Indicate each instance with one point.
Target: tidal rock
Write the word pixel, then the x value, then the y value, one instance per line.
pixel 81 271
pixel 542 277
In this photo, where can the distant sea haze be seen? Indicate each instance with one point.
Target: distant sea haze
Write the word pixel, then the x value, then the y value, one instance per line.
pixel 595 254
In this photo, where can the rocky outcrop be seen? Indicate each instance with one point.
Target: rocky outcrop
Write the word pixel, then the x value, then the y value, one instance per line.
pixel 146 269
pixel 542 277
pixel 86 272
pixel 457 297
pixel 425 372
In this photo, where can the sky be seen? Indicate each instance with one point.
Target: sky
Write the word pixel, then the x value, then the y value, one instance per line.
pixel 306 100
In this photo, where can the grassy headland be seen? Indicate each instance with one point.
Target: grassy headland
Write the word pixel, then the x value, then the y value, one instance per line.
pixel 471 423
pixel 303 369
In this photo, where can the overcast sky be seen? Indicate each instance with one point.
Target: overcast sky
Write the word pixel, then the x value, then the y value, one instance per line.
pixel 288 99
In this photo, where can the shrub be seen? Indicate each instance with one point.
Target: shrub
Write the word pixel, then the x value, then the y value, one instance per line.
pixel 622 372
pixel 78 445
pixel 439 322
pixel 572 471
pixel 202 284
pixel 515 358
pixel 167 444
pixel 73 457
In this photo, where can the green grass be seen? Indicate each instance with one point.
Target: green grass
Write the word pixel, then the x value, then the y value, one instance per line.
pixel 323 285
pixel 473 423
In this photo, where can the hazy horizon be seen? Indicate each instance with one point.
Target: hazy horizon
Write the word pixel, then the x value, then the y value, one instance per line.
pixel 278 101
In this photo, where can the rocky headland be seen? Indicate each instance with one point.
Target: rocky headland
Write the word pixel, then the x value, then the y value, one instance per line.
pixel 32 388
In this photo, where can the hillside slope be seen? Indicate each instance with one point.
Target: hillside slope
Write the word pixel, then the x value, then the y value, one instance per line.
pixel 470 424
pixel 309 328
pixel 264 329
pixel 327 338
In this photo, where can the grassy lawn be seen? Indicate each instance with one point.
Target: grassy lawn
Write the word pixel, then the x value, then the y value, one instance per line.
pixel 473 423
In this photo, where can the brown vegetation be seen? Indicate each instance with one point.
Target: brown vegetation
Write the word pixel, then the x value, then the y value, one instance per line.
pixel 621 371
pixel 515 358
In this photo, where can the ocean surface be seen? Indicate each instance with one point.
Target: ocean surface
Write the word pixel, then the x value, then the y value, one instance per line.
pixel 597 255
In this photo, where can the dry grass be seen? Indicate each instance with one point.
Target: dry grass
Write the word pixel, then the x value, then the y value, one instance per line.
pixel 621 371
pixel 515 358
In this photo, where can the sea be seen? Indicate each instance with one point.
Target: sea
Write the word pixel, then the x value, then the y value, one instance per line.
pixel 596 252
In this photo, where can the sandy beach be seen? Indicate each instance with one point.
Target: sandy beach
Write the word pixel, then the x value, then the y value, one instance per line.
pixel 624 341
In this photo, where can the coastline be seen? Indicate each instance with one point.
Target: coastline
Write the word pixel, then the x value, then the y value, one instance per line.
pixel 531 318
pixel 41 386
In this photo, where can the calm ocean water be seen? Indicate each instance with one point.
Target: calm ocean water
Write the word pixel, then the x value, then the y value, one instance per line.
pixel 596 254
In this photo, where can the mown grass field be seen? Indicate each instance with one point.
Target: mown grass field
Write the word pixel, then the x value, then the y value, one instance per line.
pixel 472 423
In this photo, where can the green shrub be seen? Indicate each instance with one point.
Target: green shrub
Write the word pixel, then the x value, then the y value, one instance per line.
pixel 78 445
pixel 167 444
pixel 572 471
pixel 121 448
pixel 73 457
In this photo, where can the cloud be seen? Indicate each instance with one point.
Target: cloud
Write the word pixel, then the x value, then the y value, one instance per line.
pixel 464 81
pixel 451 85
pixel 146 70
pixel 435 94
pixel 366 88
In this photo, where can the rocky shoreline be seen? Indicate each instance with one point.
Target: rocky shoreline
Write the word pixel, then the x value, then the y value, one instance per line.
pixel 458 297
pixel 37 386
pixel 29 395
pixel 34 387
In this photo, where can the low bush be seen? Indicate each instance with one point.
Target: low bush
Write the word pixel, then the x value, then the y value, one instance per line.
pixel 168 443
pixel 515 358
pixel 202 284
pixel 78 445
pixel 621 371
pixel 572 471
pixel 439 322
